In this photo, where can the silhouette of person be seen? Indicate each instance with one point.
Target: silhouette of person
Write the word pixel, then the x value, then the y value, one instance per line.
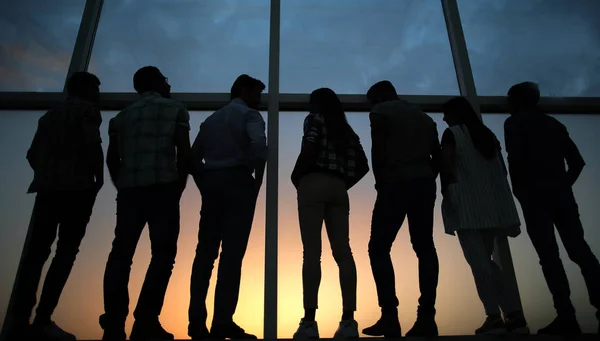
pixel 231 145
pixel 478 206
pixel 68 163
pixel 331 161
pixel 148 161
pixel 538 146
pixel 405 158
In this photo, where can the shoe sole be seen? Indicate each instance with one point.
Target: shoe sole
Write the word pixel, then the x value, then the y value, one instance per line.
pixel 521 330
pixel 494 332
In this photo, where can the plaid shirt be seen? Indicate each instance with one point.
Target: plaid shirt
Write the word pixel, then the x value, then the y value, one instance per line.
pixel 328 158
pixel 60 152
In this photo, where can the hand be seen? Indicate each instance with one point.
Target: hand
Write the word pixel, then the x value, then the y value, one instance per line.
pixel 257 185
pixel 98 185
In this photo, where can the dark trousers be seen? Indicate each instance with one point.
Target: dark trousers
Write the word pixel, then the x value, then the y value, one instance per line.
pixel 557 208
pixel 67 214
pixel 228 203
pixel 158 206
pixel 395 201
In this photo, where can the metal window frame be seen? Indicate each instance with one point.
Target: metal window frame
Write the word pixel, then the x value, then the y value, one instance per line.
pixel 276 103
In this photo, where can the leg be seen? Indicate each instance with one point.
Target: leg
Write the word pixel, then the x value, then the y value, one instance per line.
pixel 388 215
pixel 207 251
pixel 568 224
pixel 163 225
pixel 130 223
pixel 337 225
pixel 43 228
pixel 477 256
pixel 75 216
pixel 236 224
pixel 420 225
pixel 541 232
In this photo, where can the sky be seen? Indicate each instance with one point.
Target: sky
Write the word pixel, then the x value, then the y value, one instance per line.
pixel 346 45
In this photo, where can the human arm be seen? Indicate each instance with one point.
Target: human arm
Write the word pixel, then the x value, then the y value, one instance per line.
pixel 574 159
pixel 113 158
pixel 436 152
pixel 91 131
pixel 198 156
pixel 313 125
pixel 448 160
pixel 255 127
pixel 515 142
pixel 35 151
pixel 182 143
pixel 378 140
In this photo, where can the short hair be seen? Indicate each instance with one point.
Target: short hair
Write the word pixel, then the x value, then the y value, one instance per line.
pixel 382 86
pixel 245 81
pixel 80 82
pixel 147 79
pixel 525 94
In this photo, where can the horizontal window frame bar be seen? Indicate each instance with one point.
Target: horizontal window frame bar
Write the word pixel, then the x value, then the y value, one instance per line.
pixel 14 101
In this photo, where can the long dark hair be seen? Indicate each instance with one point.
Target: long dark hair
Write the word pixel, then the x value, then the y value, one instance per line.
pixel 326 102
pixel 482 137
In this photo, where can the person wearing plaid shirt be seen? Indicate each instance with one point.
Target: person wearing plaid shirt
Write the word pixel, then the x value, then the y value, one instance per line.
pixel 331 161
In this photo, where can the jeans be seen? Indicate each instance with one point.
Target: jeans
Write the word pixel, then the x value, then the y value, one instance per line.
pixel 67 214
pixel 323 197
pixel 395 201
pixel 557 208
pixel 228 203
pixel 157 206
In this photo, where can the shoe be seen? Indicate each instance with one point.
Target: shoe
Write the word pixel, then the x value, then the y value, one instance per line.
pixel 113 331
pixel 149 330
pixel 424 327
pixel 229 331
pixel 307 330
pixel 516 323
pixel 50 331
pixel 198 332
pixel 384 327
pixel 492 325
pixel 18 332
pixel 562 326
pixel 347 330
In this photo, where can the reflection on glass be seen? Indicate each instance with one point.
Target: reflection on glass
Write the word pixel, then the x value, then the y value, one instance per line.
pixel 37 42
pixel 349 45
pixel 82 300
pixel 511 41
pixel 201 46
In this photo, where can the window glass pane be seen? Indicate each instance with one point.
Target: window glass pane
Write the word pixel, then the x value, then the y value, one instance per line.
pixel 535 296
pixel 82 299
pixel 348 45
pixel 511 41
pixel 201 46
pixel 37 42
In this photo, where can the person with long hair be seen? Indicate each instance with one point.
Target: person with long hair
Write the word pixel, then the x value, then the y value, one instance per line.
pixel 331 161
pixel 478 206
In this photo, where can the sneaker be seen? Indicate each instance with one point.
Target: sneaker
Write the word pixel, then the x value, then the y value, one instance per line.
pixel 424 327
pixel 389 328
pixel 198 332
pixel 347 329
pixel 112 331
pixel 230 331
pixel 562 326
pixel 307 330
pixel 149 330
pixel 516 323
pixel 492 325
pixel 50 331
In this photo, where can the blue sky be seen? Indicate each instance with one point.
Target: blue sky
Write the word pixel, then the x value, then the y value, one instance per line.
pixel 343 44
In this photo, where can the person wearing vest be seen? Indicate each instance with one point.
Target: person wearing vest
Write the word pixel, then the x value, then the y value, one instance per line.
pixel 405 157
pixel 148 161
pixel 538 147
pixel 331 162
pixel 478 206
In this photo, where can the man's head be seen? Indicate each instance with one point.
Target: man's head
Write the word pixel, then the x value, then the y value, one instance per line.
pixel 248 89
pixel 149 78
pixel 382 91
pixel 523 97
pixel 84 85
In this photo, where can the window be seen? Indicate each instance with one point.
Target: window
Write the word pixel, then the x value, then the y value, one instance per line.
pixel 536 298
pixel 201 46
pixel 515 41
pixel 37 42
pixel 85 283
pixel 349 45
